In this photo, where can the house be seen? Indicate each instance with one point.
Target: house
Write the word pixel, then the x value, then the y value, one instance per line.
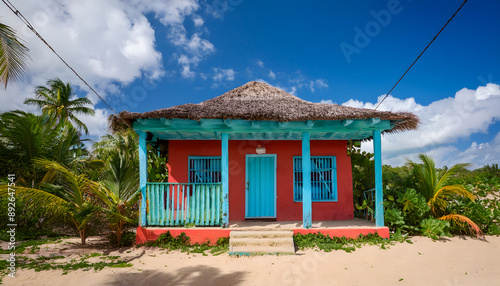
pixel 256 153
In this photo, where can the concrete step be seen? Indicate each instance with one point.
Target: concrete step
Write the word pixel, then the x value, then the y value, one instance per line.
pixel 261 242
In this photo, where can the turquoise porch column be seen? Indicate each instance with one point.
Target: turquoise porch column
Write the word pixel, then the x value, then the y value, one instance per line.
pixel 379 194
pixel 143 174
pixel 225 179
pixel 306 180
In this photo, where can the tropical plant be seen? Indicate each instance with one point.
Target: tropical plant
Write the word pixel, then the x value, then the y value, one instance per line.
pixel 58 100
pixel 13 55
pixel 64 194
pixel 26 136
pixel 436 188
pixel 120 193
pixel 363 173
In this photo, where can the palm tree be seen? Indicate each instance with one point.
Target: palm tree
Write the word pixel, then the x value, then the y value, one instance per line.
pixel 75 199
pixel 56 100
pixel 13 55
pixel 435 186
pixel 25 136
pixel 120 193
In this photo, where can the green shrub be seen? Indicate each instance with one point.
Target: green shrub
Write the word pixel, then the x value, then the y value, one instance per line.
pixel 434 228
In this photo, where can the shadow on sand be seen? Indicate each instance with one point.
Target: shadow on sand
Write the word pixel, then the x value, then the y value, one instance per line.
pixel 191 275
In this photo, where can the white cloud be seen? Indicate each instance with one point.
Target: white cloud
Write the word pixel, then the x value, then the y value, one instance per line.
pixel 327 101
pixel 198 21
pixel 319 83
pixel 260 64
pixel 272 75
pixel 223 74
pixel 97 124
pixel 443 122
pixel 110 43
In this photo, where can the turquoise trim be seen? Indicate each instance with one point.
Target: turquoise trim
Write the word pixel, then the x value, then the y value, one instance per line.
pixel 258 178
pixel 204 169
pixel 143 174
pixel 225 178
pixel 306 173
pixel 177 204
pixel 379 195
pixel 324 182
pixel 239 129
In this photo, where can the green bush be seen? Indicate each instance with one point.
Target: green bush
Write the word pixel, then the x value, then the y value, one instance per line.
pixel 434 228
pixel 30 223
pixel 405 209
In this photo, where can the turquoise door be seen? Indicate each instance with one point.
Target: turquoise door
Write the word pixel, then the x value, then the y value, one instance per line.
pixel 260 198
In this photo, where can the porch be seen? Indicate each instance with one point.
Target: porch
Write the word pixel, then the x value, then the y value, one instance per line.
pixel 348 228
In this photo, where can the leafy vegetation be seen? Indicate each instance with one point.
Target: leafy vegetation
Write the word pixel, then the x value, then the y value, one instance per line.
pixel 183 243
pixel 61 263
pixel 326 243
pixel 13 55
pixel 56 100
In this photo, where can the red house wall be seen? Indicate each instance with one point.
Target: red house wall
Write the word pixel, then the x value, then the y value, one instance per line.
pixel 286 208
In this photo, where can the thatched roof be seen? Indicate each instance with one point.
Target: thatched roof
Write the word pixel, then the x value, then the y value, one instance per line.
pixel 260 101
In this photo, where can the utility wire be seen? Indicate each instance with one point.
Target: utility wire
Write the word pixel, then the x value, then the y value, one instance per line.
pixel 407 70
pixel 28 24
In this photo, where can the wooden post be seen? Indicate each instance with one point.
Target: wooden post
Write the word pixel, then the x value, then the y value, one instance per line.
pixel 225 179
pixel 306 180
pixel 143 174
pixel 379 194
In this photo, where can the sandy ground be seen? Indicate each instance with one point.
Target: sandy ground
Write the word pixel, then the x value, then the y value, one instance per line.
pixel 454 261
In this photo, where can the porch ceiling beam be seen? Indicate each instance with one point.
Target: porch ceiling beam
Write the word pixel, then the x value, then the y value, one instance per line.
pixel 347 122
pixel 166 122
pixel 329 135
pixel 269 135
pixel 228 122
pixel 283 124
pixel 374 121
pixel 319 127
pixel 310 123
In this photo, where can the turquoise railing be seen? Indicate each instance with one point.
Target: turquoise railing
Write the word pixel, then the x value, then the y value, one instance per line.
pixel 177 204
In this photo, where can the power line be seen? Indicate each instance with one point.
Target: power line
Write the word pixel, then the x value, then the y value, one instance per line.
pixel 407 70
pixel 28 24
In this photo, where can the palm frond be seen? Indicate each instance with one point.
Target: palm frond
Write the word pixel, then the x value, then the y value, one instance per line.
pixel 13 55
pixel 39 200
pixel 461 221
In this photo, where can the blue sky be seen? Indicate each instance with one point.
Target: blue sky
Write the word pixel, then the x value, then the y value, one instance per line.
pixel 143 56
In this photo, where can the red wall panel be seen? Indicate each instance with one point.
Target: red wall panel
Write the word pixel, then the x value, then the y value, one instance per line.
pixel 286 208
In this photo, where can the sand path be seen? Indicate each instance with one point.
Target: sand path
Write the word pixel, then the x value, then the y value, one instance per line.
pixel 454 261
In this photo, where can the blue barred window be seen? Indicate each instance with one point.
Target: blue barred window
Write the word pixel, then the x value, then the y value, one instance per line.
pixel 323 178
pixel 204 170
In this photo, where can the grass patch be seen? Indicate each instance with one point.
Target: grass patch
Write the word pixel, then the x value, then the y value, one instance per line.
pixel 44 263
pixel 183 243
pixel 34 244
pixel 327 243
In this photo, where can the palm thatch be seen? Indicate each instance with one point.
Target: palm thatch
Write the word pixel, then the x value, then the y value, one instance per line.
pixel 260 101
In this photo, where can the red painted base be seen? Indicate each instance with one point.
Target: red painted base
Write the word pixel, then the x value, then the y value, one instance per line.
pixel 196 235
pixel 201 235
pixel 347 232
